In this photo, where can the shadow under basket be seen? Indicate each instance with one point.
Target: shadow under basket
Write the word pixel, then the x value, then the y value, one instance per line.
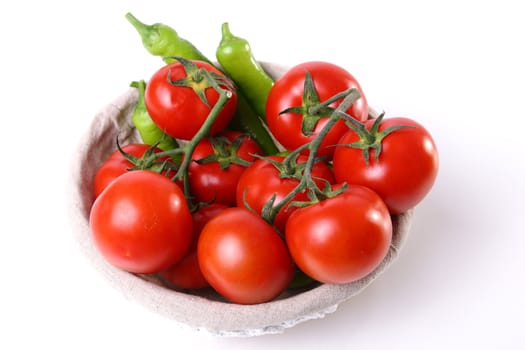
pixel 204 309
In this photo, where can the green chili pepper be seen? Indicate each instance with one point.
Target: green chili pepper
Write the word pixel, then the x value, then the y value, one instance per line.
pixel 236 58
pixel 149 132
pixel 161 40
pixel 247 121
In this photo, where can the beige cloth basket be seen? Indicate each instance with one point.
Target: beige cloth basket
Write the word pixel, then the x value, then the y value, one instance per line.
pixel 204 311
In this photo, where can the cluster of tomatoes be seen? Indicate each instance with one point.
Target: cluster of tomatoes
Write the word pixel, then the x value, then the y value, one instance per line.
pixel 219 213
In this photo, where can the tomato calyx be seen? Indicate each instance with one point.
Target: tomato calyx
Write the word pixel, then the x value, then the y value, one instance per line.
pixel 288 167
pixel 370 139
pixel 149 160
pixel 199 79
pixel 312 109
pixel 225 152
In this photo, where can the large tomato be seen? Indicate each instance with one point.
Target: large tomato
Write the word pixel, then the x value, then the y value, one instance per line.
pixel 340 239
pixel 224 159
pixel 186 273
pixel 178 110
pixel 116 164
pixel 405 170
pixel 243 258
pixel 262 180
pixel 141 222
pixel 288 91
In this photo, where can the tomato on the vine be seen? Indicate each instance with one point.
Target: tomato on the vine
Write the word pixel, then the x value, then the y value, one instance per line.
pixel 116 164
pixel 243 258
pixel 400 164
pixel 340 239
pixel 187 273
pixel 141 222
pixel 218 163
pixel 263 180
pixel 290 104
pixel 179 98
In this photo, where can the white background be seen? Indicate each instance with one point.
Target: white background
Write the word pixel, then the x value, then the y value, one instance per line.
pixel 456 66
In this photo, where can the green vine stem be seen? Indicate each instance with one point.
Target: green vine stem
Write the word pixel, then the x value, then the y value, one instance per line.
pixel 188 148
pixel 306 182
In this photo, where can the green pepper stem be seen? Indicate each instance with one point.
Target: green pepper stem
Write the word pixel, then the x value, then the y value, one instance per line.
pixel 226 33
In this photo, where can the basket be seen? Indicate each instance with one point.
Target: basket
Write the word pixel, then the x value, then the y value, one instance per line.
pixel 201 310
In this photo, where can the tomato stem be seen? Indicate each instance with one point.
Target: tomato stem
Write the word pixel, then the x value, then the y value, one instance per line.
pixel 307 181
pixel 198 79
pixel 315 109
pixel 225 152
pixel 204 131
pixel 188 148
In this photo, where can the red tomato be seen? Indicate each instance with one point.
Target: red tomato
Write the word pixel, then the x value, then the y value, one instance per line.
pixel 217 180
pixel 243 258
pixel 404 172
pixel 117 165
pixel 141 222
pixel 340 239
pixel 178 110
pixel 288 90
pixel 187 273
pixel 262 180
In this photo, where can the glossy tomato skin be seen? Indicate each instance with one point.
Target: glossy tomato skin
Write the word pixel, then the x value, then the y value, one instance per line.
pixel 243 258
pixel 116 165
pixel 340 239
pixel 141 222
pixel 262 180
pixel 186 273
pixel 329 79
pixel 208 182
pixel 405 170
pixel 178 110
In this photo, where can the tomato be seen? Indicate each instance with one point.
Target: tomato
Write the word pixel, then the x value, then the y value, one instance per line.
pixel 243 258
pixel 216 180
pixel 116 165
pixel 262 180
pixel 178 110
pixel 329 79
pixel 340 239
pixel 405 170
pixel 141 222
pixel 187 273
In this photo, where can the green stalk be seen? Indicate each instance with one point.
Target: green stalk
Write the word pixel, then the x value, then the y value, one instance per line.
pixel 204 131
pixel 307 182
